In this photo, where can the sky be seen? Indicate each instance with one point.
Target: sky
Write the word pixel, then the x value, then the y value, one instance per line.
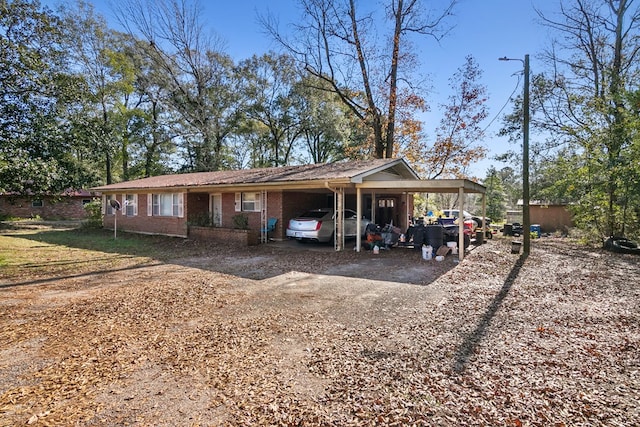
pixel 485 29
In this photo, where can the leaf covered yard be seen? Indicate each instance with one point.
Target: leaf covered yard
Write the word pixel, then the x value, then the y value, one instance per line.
pixel 140 340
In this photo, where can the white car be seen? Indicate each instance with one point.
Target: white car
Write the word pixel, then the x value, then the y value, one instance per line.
pixel 455 213
pixel 318 225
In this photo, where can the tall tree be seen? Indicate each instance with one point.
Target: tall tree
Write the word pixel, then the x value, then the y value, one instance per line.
pixel 37 155
pixel 269 82
pixel 495 195
pixel 584 104
pixel 337 41
pixel 325 123
pixel 457 136
pixel 152 130
pixel 92 48
pixel 198 75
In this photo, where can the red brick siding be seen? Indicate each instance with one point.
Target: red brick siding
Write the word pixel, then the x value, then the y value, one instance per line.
pixel 281 205
pixel 225 235
pixel 198 204
pixel 141 223
pixel 66 208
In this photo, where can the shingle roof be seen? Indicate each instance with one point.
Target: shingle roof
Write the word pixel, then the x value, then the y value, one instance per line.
pixel 284 174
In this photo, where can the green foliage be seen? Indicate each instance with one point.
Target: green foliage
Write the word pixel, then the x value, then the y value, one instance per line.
pixel 240 222
pixel 495 196
pixel 585 118
pixel 93 210
pixel 202 219
pixel 37 155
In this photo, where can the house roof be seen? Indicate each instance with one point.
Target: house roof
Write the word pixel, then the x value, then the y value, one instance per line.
pixel 69 192
pixel 347 172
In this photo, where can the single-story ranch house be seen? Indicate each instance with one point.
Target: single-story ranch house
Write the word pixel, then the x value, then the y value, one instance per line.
pixel 68 205
pixel 379 189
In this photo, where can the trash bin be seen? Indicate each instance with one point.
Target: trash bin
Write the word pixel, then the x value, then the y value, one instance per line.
pixel 515 247
pixel 434 236
pixel 507 230
pixel 535 228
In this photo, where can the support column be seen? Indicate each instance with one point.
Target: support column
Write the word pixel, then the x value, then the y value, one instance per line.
pixel 461 224
pixel 374 207
pixel 339 219
pixel 264 234
pixel 359 219
pixel 485 226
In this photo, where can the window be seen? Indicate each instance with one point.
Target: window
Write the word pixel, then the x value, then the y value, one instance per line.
pixel 386 203
pixel 248 202
pixel 109 210
pixel 130 204
pixel 37 204
pixel 169 204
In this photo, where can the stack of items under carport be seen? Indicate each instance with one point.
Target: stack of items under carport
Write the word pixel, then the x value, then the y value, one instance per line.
pixel 434 235
pixel 383 238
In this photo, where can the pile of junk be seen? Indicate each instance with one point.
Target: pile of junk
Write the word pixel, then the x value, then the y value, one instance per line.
pixel 432 239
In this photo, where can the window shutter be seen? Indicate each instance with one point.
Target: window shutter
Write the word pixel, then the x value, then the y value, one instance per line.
pixel 149 204
pixel 180 205
pixel 135 205
pixel 238 205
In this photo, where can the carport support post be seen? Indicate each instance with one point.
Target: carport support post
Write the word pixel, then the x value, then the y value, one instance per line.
pixel 461 224
pixel 485 226
pixel 359 219
pixel 339 219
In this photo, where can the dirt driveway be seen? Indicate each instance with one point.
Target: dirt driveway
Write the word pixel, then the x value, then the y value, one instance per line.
pixel 274 336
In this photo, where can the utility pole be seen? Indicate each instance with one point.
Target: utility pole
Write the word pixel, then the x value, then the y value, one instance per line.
pixel 526 217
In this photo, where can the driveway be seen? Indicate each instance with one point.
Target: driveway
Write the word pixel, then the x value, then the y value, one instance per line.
pixel 399 265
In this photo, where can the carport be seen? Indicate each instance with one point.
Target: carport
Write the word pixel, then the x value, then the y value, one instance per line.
pixel 408 187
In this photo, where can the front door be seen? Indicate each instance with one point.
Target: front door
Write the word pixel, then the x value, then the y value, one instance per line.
pixel 386 211
pixel 216 210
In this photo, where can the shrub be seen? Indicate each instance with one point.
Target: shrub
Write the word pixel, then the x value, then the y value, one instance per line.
pixel 201 220
pixel 241 222
pixel 94 214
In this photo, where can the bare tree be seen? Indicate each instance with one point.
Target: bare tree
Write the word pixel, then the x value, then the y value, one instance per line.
pixel 198 76
pixel 585 101
pixel 338 43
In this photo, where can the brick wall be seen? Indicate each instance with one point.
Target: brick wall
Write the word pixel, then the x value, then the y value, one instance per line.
pixel 66 208
pixel 281 205
pixel 225 236
pixel 142 223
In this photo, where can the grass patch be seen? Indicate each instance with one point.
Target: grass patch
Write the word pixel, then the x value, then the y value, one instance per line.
pixel 27 249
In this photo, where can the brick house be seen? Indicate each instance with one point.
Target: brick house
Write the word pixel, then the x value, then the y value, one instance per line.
pixel 174 205
pixel 69 205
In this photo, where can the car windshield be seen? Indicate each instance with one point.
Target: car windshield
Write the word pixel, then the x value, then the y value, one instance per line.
pixel 313 214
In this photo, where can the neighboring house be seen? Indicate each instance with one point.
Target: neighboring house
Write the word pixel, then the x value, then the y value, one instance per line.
pixel 379 189
pixel 69 205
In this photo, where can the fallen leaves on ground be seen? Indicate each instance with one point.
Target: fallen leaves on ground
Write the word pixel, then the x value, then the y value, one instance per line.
pixel 495 340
